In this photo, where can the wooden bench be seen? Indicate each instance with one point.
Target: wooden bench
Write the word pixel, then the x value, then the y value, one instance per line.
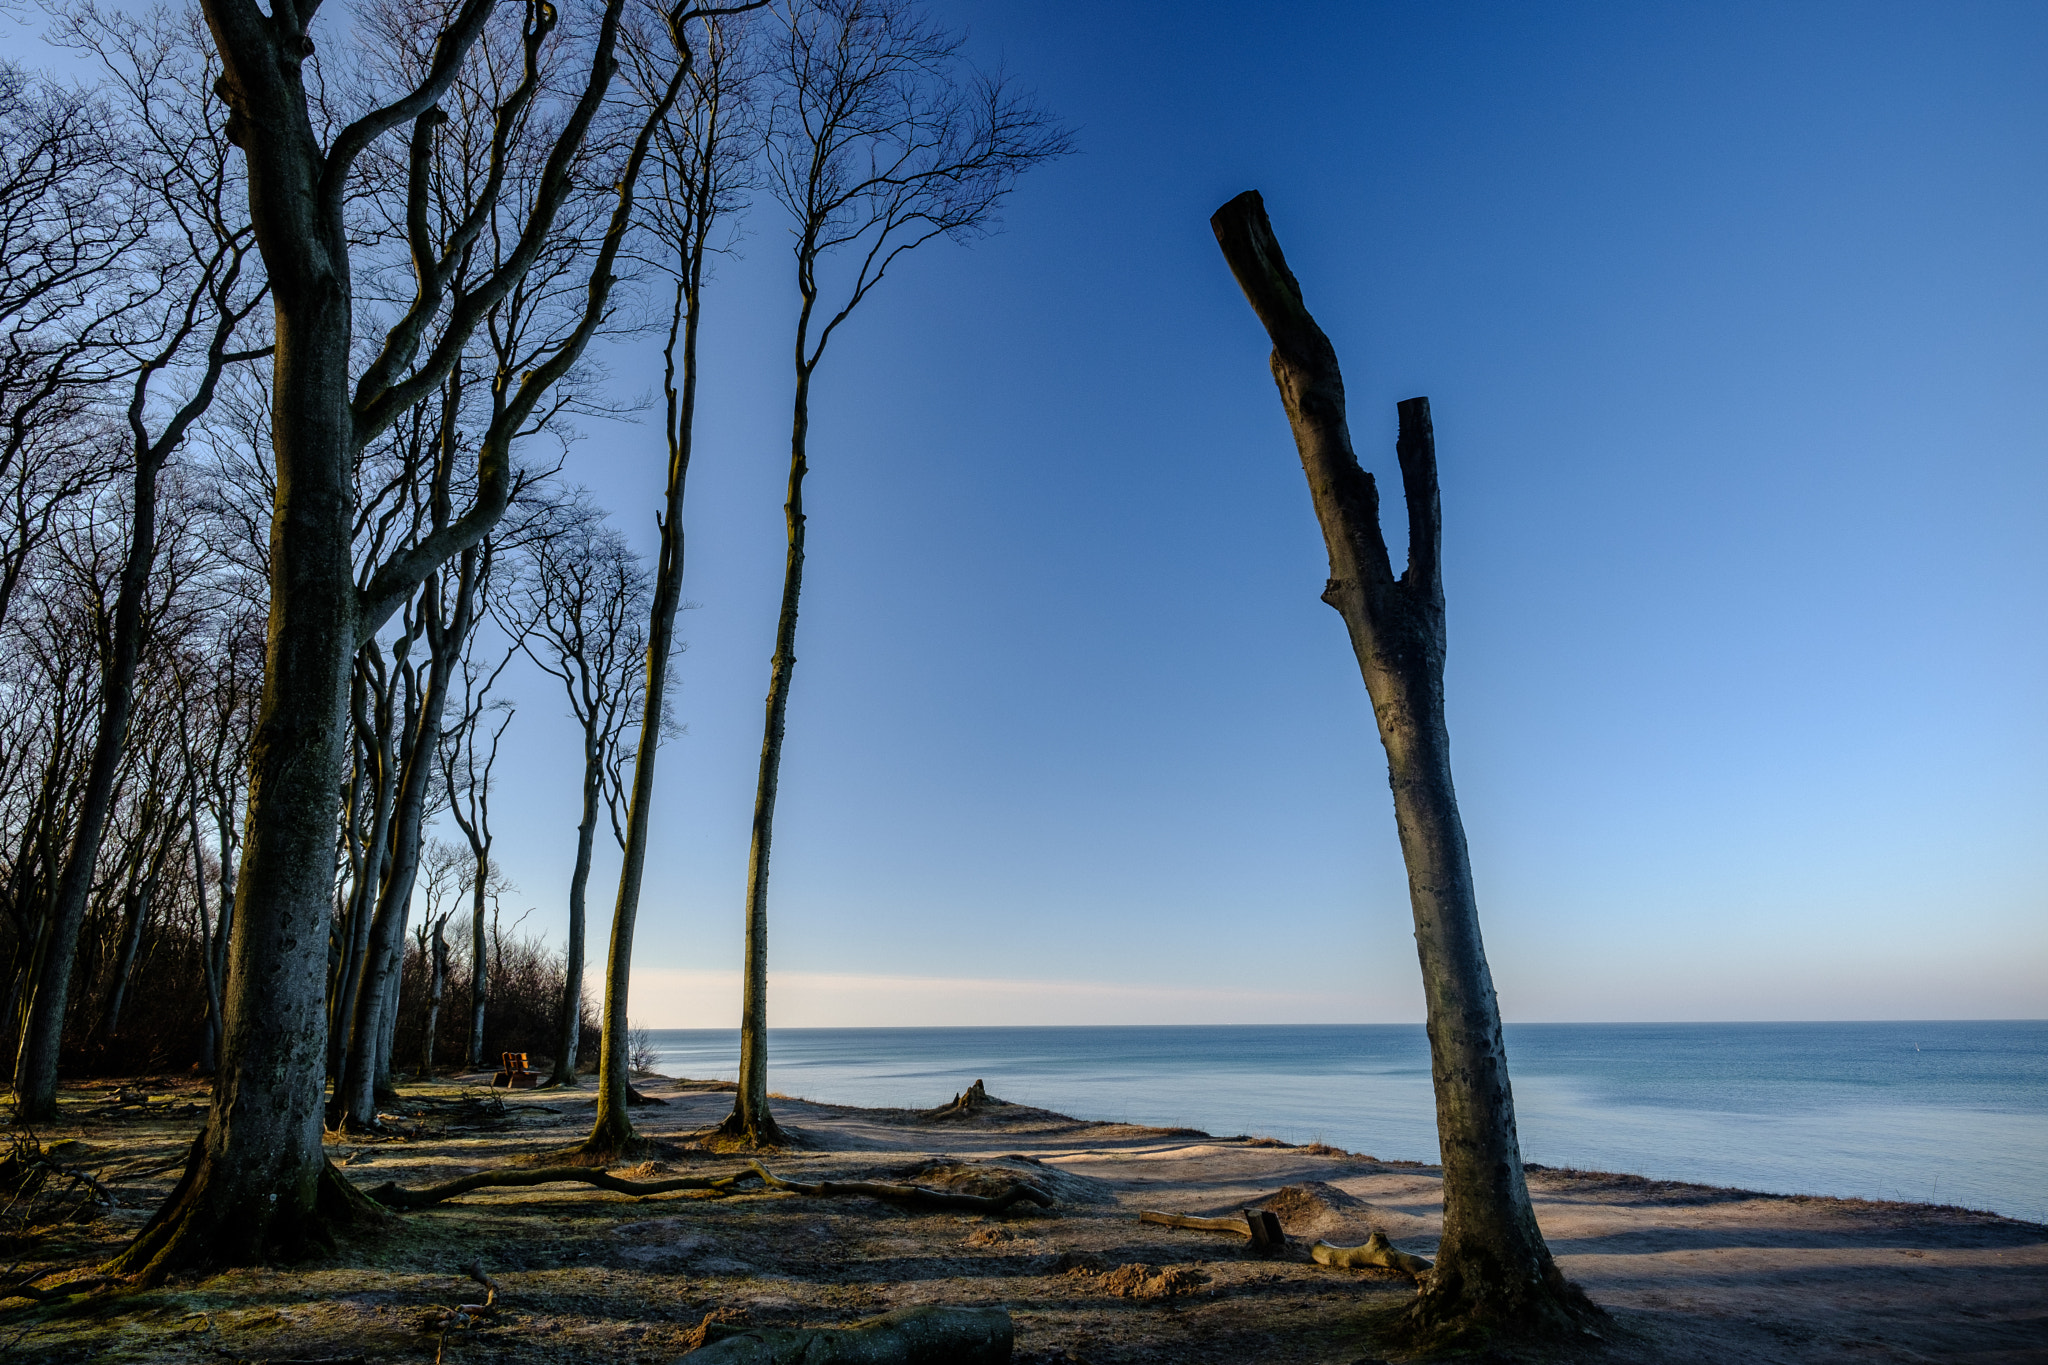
pixel 513 1073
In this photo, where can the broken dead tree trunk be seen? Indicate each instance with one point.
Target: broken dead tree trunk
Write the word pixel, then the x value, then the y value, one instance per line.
pixel 909 1336
pixel 1377 1252
pixel 1494 1273
pixel 391 1196
pixel 916 1195
pixel 1259 1225
pixel 967 1103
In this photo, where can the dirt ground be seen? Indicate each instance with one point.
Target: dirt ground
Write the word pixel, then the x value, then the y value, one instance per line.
pixel 1687 1272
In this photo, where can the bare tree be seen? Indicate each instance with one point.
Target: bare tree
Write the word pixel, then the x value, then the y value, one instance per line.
pixel 200 289
pixel 579 613
pixel 882 139
pixel 1493 1270
pixel 702 148
pixel 260 1186
pixel 469 753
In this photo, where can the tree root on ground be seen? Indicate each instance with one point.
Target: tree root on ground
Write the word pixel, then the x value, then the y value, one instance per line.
pixel 391 1196
pixel 916 1195
pixel 910 1336
pixel 1377 1252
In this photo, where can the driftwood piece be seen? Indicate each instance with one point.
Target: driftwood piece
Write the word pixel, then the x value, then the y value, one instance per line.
pixel 916 1195
pixel 391 1196
pixel 1260 1225
pixel 1377 1252
pixel 909 1336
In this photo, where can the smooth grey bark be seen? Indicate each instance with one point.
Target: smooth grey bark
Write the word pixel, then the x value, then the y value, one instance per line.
pixel 1493 1268
pixel 434 961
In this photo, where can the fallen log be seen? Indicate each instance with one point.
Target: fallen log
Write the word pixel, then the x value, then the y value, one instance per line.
pixel 391 1196
pixel 909 1336
pixel 917 1195
pixel 1377 1252
pixel 1260 1225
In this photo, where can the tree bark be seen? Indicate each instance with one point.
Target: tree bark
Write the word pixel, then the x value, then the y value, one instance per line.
pixel 376 1008
pixel 42 1035
pixel 570 1032
pixel 751 1118
pixel 1493 1269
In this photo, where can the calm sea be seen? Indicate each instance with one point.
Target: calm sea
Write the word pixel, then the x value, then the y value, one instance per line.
pixel 1949 1112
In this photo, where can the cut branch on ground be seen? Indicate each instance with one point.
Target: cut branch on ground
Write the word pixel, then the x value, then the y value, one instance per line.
pixel 917 1196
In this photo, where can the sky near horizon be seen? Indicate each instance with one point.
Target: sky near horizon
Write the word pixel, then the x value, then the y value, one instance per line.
pixel 1734 321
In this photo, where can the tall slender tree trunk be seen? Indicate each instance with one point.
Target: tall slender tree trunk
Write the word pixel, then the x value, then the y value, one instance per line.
pixel 210 1057
pixel 434 959
pixel 612 1130
pixel 479 965
pixel 376 1006
pixel 571 1025
pixel 373 748
pixel 131 948
pixel 750 1117
pixel 42 1034
pixel 1493 1270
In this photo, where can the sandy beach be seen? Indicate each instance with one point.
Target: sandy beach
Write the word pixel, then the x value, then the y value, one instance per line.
pixel 1685 1272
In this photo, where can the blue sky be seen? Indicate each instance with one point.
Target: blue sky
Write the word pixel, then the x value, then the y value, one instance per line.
pixel 1735 323
pixel 1734 319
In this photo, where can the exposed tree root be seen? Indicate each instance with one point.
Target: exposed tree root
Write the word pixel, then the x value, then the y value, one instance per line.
pixel 909 1336
pixel 766 1136
pixel 637 1099
pixel 211 1221
pixel 391 1196
pixel 916 1195
pixel 1462 1306
pixel 1377 1252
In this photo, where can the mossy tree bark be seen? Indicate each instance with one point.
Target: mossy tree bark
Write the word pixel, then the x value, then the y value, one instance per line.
pixel 1493 1270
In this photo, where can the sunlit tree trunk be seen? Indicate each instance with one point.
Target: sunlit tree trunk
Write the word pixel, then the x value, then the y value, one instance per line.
pixel 1493 1269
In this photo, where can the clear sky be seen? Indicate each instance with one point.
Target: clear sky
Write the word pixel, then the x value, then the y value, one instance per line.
pixel 1735 323
pixel 1734 319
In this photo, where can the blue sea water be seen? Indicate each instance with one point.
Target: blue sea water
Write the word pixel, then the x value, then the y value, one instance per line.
pixel 1945 1112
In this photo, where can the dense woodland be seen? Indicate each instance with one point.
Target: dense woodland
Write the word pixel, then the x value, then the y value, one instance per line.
pixel 566 184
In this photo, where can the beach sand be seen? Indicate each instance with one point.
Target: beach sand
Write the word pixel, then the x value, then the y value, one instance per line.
pixel 1686 1272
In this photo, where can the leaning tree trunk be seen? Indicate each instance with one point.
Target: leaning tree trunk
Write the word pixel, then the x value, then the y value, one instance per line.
pixel 1493 1269
pixel 42 1034
pixel 750 1118
pixel 612 1130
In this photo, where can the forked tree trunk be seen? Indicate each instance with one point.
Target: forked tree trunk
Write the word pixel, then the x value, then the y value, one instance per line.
pixel 1493 1269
